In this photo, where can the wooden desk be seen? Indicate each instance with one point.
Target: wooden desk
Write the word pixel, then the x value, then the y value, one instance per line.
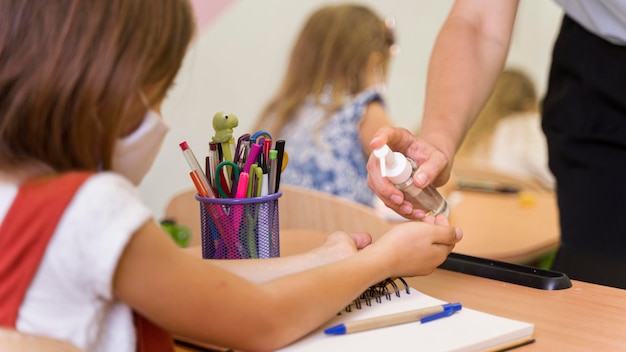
pixel 515 228
pixel 508 227
pixel 585 317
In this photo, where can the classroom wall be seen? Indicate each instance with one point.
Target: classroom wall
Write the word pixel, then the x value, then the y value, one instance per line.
pixel 238 58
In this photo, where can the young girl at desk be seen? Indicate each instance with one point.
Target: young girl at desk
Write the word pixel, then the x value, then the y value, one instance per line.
pixel 330 102
pixel 81 258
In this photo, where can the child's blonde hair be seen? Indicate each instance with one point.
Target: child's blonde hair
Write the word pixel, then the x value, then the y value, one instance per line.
pixel 514 93
pixel 333 47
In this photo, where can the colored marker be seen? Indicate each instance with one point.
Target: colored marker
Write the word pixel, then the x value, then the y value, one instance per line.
pixel 255 150
pixel 280 148
pixel 196 170
pixel 273 171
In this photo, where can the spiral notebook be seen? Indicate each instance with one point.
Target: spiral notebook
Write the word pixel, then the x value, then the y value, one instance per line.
pixel 465 330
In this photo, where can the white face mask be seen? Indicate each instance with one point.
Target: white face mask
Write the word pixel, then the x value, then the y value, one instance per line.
pixel 134 154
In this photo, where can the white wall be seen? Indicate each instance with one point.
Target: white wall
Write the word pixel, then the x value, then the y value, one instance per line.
pixel 237 62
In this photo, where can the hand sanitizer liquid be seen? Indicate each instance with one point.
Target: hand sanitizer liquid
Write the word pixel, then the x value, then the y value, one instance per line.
pixel 399 170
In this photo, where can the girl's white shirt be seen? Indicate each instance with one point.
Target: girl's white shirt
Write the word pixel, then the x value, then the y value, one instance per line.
pixel 71 296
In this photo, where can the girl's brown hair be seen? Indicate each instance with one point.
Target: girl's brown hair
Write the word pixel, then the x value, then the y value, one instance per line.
pixel 333 47
pixel 70 70
pixel 514 93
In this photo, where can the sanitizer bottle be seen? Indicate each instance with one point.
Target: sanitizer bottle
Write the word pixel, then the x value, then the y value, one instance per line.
pixel 399 170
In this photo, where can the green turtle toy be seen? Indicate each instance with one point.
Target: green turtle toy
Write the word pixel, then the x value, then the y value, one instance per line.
pixel 223 125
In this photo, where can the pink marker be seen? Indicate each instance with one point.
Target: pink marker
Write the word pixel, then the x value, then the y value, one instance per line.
pixel 255 150
pixel 242 185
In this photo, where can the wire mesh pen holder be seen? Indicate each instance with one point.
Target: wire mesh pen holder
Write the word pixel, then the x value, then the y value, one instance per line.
pixel 240 228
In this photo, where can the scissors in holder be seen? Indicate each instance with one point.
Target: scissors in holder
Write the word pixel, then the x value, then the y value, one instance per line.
pixel 233 175
pixel 230 232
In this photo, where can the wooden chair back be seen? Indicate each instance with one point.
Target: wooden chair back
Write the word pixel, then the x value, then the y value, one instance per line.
pixel 308 216
pixel 301 210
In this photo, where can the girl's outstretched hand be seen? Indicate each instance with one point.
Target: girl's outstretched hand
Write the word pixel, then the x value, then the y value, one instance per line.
pixel 417 248
pixel 340 245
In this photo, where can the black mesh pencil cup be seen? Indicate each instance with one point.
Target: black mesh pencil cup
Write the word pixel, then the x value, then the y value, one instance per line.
pixel 240 228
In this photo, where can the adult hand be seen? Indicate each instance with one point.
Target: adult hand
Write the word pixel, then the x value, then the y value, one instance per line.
pixel 434 167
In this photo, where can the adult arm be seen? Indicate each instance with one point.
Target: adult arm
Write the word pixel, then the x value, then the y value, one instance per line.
pixel 468 55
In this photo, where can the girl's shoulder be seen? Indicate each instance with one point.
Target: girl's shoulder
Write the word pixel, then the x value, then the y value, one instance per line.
pixel 109 190
pixel 368 95
pixel 91 190
pixel 111 181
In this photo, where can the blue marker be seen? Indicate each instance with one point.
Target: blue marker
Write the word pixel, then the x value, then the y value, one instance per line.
pixel 423 315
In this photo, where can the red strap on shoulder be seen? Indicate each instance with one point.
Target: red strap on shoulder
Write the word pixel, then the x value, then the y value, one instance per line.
pixel 24 236
pixel 25 233
pixel 151 338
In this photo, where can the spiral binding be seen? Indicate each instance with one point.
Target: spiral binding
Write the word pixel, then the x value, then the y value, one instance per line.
pixel 385 288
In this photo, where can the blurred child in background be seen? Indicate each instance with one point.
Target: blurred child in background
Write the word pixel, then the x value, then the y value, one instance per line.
pixel 330 103
pixel 507 134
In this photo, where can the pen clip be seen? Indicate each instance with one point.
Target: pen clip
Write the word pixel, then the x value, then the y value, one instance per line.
pixel 448 310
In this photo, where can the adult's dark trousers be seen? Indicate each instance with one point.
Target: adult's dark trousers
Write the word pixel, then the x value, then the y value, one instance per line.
pixel 584 119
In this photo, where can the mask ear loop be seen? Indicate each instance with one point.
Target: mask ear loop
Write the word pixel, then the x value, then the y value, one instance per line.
pixel 146 104
pixel 144 99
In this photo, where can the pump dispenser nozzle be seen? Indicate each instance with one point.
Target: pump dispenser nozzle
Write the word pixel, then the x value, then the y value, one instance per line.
pixel 399 171
pixel 385 156
pixel 393 165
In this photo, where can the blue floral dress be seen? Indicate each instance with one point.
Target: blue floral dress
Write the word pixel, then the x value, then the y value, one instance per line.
pixel 325 151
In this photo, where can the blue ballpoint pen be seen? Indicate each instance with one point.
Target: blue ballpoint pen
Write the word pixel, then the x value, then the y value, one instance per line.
pixel 422 315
